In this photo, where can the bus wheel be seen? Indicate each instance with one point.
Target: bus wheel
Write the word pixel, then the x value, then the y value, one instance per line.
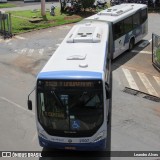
pixel 131 44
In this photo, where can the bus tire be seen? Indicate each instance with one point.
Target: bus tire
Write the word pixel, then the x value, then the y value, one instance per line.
pixel 131 44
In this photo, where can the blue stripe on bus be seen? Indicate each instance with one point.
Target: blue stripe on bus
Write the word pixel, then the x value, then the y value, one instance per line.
pixel 70 75
pixel 97 146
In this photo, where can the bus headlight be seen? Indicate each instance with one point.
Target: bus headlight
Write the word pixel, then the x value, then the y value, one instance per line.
pixel 99 137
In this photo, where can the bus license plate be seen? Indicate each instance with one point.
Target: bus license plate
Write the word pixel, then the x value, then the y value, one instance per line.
pixel 70 148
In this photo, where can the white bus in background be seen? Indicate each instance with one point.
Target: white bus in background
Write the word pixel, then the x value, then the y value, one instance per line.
pixel 73 90
pixel 128 25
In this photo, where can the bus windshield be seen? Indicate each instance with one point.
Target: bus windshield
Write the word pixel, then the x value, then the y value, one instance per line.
pixel 74 108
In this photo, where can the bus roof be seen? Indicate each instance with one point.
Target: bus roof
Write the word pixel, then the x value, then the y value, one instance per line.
pixel 118 12
pixel 81 54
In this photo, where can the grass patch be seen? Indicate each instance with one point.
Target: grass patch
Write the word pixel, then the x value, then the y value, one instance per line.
pixel 158 55
pixel 7 5
pixel 23 21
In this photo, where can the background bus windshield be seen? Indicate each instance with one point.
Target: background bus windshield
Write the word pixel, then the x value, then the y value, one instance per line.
pixel 74 108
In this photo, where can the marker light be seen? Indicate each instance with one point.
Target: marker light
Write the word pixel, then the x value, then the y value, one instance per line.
pixel 99 137
pixel 42 134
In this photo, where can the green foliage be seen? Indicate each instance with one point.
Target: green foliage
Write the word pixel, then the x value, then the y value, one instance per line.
pixel 158 55
pixel 87 3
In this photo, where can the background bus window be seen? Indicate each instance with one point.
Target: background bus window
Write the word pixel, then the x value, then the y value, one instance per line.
pixel 128 24
pixel 136 20
pixel 118 30
pixel 143 15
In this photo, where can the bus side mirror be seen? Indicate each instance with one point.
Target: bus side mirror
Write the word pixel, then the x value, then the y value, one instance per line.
pixel 29 104
pixel 108 91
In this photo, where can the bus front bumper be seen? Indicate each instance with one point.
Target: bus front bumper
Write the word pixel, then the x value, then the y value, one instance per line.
pixel 95 146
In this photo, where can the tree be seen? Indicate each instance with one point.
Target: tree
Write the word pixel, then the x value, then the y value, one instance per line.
pixel 62 3
pixel 87 3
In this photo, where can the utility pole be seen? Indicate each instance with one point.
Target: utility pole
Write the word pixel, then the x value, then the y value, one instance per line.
pixel 43 10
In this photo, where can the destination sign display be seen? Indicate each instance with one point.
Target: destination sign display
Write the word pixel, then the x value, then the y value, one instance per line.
pixel 69 84
pixel 64 84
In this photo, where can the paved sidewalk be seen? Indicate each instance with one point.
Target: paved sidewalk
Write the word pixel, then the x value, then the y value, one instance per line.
pixel 142 62
pixel 29 6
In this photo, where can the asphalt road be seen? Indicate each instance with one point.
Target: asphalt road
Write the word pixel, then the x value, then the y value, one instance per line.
pixel 135 120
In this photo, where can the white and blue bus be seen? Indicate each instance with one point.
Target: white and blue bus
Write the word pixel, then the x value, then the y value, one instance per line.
pixel 128 25
pixel 73 90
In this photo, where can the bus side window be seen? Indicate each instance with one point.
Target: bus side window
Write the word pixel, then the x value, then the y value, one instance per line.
pixel 107 79
pixel 136 20
pixel 128 24
pixel 118 30
pixel 143 15
pixel 108 91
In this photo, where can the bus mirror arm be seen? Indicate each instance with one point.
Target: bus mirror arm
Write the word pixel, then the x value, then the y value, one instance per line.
pixel 29 102
pixel 108 91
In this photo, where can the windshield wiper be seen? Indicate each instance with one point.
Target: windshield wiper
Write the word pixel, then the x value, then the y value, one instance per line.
pixel 59 101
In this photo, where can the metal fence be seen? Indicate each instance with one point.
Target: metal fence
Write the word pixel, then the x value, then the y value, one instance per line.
pixel 156 51
pixel 5 25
